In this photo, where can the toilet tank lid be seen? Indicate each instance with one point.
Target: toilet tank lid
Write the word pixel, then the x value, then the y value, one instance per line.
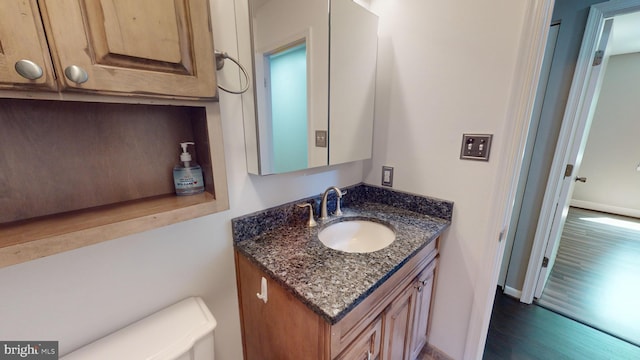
pixel 165 334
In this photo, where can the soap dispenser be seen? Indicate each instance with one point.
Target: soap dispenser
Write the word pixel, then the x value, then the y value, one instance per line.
pixel 187 175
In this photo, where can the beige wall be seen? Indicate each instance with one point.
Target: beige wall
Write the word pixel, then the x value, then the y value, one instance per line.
pixel 446 68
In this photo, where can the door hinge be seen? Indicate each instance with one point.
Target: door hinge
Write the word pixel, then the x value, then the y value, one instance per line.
pixel 568 170
pixel 545 262
pixel 597 59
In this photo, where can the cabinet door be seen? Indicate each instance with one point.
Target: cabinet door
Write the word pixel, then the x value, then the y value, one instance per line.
pixel 424 290
pixel 398 320
pixel 366 346
pixel 22 42
pixel 139 47
pixel 283 328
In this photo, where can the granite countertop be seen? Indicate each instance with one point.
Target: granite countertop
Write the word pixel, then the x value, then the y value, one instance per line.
pixel 328 281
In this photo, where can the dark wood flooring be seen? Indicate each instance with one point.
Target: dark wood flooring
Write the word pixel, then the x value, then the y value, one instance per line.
pixel 526 332
pixel 596 275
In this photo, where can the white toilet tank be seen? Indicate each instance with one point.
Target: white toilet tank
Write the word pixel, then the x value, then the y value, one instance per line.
pixel 183 331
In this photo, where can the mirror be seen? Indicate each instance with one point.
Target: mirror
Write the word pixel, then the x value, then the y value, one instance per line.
pixel 314 65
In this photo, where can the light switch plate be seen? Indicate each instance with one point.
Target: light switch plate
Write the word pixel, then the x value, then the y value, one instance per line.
pixel 387 176
pixel 476 147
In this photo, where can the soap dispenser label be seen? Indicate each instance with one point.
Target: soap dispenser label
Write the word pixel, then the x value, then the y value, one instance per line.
pixel 188 181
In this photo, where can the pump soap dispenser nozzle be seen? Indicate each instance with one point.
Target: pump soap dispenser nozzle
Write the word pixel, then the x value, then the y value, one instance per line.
pixel 185 157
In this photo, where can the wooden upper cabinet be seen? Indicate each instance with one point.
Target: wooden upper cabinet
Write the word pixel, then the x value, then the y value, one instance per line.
pixel 22 42
pixel 160 47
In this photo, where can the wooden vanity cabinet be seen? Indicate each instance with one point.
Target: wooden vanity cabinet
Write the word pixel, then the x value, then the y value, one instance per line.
pixel 424 293
pixel 283 327
pixel 390 324
pixel 143 47
pixel 398 325
pixel 367 345
pixel 407 318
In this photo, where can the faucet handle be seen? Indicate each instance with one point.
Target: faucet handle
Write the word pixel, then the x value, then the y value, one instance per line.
pixel 338 199
pixel 311 222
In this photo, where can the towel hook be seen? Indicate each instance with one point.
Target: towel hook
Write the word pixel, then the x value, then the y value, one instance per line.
pixel 220 58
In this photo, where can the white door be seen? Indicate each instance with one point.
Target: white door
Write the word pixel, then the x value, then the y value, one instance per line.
pixel 590 89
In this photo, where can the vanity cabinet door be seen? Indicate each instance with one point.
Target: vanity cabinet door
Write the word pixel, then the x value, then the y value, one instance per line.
pixel 162 47
pixel 283 328
pixel 366 346
pixel 398 320
pixel 424 292
pixel 24 55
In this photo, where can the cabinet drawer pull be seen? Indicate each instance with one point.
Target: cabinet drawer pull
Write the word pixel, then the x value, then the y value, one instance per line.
pixel 76 74
pixel 28 69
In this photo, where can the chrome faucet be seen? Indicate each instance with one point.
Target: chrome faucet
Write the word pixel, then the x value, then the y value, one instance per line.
pixel 323 205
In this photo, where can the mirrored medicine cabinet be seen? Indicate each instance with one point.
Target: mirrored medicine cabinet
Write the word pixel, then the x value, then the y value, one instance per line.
pixel 314 65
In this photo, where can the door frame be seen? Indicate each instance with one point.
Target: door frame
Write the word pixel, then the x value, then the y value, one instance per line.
pixel 571 132
pixel 545 73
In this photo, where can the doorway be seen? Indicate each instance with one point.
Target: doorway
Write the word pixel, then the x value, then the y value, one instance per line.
pixel 572 141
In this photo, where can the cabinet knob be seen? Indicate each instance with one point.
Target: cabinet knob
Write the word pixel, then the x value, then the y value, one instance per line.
pixel 76 74
pixel 28 69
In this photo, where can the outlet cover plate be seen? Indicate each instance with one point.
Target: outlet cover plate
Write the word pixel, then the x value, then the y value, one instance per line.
pixel 387 176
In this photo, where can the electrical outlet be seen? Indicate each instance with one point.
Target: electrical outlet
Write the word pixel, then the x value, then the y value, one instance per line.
pixel 387 176
pixel 476 146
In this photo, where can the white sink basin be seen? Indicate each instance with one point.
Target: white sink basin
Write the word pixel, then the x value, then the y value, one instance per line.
pixel 357 236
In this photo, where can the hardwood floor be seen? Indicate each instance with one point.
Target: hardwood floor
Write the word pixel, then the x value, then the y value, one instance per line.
pixel 529 332
pixel 596 276
pixel 597 271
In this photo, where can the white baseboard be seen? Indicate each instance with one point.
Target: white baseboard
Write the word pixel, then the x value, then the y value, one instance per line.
pixel 605 208
pixel 513 292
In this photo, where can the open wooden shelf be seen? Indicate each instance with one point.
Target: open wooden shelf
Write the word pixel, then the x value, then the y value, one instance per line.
pixel 35 238
pixel 74 174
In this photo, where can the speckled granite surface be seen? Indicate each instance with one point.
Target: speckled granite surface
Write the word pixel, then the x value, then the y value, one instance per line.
pixel 332 282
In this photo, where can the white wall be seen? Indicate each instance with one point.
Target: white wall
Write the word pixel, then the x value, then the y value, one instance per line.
pixel 446 68
pixel 78 296
pixel 611 157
